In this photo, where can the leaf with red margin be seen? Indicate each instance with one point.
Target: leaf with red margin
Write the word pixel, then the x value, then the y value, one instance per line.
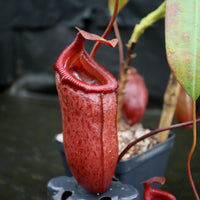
pixel 182 35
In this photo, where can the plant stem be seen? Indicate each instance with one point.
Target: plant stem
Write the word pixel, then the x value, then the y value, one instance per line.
pixel 122 71
pixel 169 106
pixel 123 79
pixel 153 133
pixel 120 43
pixel 107 31
pixel 147 22
pixel 192 151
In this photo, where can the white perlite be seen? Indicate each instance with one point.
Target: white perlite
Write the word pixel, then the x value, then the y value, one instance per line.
pixel 127 134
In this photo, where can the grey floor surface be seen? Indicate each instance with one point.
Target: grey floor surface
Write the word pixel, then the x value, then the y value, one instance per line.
pixel 29 158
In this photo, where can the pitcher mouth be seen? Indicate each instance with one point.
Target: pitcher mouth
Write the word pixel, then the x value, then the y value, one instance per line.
pixel 92 78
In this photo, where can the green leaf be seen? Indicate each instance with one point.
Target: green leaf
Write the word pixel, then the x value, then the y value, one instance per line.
pixel 182 34
pixel 111 5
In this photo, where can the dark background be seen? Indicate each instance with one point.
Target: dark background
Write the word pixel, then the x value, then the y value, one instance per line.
pixel 33 33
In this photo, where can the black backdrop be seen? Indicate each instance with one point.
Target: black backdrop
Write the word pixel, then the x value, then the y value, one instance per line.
pixel 34 32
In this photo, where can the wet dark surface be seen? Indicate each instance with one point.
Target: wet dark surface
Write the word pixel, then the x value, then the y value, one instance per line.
pixel 29 157
pixel 28 153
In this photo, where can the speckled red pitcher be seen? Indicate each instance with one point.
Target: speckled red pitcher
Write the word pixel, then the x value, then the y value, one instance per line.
pixel 88 99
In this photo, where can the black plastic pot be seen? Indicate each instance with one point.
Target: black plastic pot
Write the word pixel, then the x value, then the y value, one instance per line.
pixel 63 188
pixel 142 167
pixel 138 168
